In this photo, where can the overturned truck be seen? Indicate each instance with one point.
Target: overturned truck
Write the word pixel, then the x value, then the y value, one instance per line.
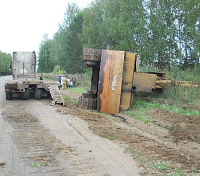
pixel 115 77
pixel 25 84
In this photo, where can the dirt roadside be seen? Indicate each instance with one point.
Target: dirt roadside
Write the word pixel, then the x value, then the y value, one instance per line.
pixel 168 144
pixel 38 139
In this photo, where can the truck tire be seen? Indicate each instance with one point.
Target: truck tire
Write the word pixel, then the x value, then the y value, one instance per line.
pixel 8 96
pixel 25 95
pixel 38 93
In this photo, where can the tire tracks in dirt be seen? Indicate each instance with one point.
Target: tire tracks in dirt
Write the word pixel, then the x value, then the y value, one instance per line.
pixel 153 148
pixel 51 143
pixel 39 150
pixel 93 155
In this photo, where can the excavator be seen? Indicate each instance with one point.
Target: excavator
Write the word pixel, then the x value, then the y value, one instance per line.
pixel 115 77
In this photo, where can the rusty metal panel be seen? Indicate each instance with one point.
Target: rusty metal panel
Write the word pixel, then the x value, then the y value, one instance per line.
pixel 127 83
pixel 110 81
pixel 144 82
pixel 90 54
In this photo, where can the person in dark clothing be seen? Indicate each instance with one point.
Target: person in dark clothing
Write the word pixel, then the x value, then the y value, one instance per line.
pixel 73 79
pixel 41 77
pixel 60 80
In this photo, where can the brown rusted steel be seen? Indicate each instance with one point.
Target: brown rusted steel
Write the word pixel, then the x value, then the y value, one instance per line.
pixel 88 103
pixel 95 78
pixel 20 85
pixel 90 54
pixel 110 82
pixel 159 74
pixel 163 82
pixel 127 80
pixel 144 82
pixel 90 94
pixel 92 58
pixel 186 83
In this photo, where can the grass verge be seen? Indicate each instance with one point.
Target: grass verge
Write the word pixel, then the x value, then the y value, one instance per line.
pixel 77 89
pixel 164 168
pixel 70 99
pixel 142 105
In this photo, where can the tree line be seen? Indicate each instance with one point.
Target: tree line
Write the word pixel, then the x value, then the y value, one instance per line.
pixel 163 32
pixel 5 62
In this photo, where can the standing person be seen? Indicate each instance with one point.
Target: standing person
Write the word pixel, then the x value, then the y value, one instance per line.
pixel 64 81
pixel 73 81
pixel 69 83
pixel 60 80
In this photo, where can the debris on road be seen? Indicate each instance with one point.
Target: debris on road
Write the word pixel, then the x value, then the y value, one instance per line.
pixel 2 163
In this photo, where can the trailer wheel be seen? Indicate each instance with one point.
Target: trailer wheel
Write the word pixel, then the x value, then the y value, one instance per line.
pixel 8 96
pixel 25 95
pixel 38 94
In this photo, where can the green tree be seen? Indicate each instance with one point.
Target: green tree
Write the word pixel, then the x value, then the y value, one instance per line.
pixel 117 23
pixel 5 62
pixel 163 32
pixel 74 46
pixel 66 45
pixel 190 25
pixel 45 62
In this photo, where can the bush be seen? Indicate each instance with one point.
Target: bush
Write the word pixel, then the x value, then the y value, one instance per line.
pixel 57 70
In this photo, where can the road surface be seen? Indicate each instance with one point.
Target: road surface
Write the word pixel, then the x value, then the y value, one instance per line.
pixel 37 139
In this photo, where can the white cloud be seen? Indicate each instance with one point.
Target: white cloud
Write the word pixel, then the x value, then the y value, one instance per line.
pixel 23 23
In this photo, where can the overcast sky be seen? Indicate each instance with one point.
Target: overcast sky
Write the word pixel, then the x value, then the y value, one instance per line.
pixel 23 23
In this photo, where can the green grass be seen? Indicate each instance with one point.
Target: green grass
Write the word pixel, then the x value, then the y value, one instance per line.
pixel 77 89
pixel 37 165
pixel 112 138
pixel 84 79
pixel 136 133
pixel 141 105
pixel 181 95
pixel 161 166
pixel 70 99
pixel 164 167
pixel 49 76
pixel 191 74
pixel 139 115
